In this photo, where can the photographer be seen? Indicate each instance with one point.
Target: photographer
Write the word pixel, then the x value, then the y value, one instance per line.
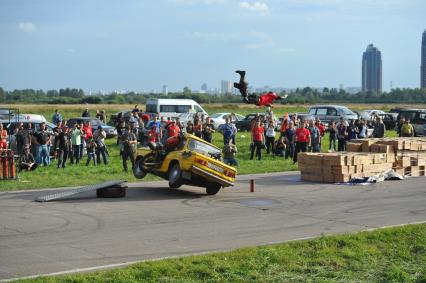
pixel 76 134
pixel 101 149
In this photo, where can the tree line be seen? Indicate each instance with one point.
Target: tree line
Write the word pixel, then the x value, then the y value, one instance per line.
pixel 297 96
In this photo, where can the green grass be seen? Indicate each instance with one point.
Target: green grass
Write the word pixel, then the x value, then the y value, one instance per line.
pixel 386 255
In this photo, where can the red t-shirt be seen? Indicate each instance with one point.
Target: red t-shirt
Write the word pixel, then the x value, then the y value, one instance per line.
pixel 321 128
pixel 302 134
pixel 145 117
pixel 257 133
pixel 173 130
pixel 88 131
pixel 152 135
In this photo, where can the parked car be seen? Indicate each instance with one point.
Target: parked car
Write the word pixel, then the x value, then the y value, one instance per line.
pixel 369 114
pixel 113 118
pixel 390 120
pixel 6 113
pixel 95 123
pixel 244 124
pixel 329 113
pixel 417 119
pixel 193 162
pixel 14 123
pixel 219 118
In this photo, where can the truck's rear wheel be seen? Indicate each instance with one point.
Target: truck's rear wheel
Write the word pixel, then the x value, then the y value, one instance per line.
pixel 213 188
pixel 175 176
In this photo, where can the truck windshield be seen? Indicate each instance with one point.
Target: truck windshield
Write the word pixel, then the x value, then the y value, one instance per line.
pixel 202 148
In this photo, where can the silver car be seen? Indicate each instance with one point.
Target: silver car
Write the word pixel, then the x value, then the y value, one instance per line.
pixel 330 113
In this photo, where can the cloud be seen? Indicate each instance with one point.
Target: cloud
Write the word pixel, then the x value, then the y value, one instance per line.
pixel 260 7
pixel 27 26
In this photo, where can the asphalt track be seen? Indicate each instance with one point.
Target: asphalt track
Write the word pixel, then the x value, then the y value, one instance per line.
pixel 153 221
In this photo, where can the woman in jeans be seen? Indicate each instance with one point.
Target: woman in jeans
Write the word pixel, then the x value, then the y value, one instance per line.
pixel 270 138
pixel 257 140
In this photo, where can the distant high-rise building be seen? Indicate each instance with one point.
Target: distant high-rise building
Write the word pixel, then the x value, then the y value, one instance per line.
pixel 204 87
pixel 372 70
pixel 226 87
pixel 423 64
pixel 165 90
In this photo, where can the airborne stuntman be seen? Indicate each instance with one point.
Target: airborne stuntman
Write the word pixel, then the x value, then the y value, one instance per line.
pixel 265 99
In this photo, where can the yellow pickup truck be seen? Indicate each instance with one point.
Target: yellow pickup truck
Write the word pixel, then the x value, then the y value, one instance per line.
pixel 193 162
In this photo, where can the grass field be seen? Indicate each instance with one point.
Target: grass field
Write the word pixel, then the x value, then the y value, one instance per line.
pixel 386 255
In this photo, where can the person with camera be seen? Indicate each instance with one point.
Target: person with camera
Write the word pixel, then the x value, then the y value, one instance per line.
pixel 208 130
pixel 229 151
pixel 257 140
pixel 99 135
pixel 129 142
pixel 76 134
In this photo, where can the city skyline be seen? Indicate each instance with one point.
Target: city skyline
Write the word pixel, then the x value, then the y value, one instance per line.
pixel 142 45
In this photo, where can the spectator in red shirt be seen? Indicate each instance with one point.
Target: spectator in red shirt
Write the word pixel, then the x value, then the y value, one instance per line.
pixel 303 139
pixel 153 135
pixel 320 126
pixel 257 140
pixel 173 130
pixel 87 128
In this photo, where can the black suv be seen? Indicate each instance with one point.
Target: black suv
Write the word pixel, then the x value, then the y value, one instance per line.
pixel 417 119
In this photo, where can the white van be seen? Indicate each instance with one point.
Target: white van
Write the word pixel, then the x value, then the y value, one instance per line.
pixel 173 107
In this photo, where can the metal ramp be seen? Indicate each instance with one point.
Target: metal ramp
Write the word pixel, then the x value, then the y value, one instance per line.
pixel 84 189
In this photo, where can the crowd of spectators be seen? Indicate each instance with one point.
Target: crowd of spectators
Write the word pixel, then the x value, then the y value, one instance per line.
pixel 70 144
pixel 297 135
pixel 67 144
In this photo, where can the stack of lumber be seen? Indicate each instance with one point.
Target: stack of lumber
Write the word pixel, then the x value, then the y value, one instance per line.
pixel 341 167
pixel 409 153
pixel 365 158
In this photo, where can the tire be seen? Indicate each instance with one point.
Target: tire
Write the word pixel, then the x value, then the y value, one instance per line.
pixel 112 192
pixel 213 188
pixel 138 170
pixel 175 176
pixel 149 158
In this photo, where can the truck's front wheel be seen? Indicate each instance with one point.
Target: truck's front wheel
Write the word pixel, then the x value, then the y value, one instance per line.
pixel 138 170
pixel 175 176
pixel 213 188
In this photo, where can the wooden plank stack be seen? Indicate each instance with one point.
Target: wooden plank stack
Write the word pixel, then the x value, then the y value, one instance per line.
pixel 365 158
pixel 409 153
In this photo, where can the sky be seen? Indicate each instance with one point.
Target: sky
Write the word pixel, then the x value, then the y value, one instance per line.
pixel 141 45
